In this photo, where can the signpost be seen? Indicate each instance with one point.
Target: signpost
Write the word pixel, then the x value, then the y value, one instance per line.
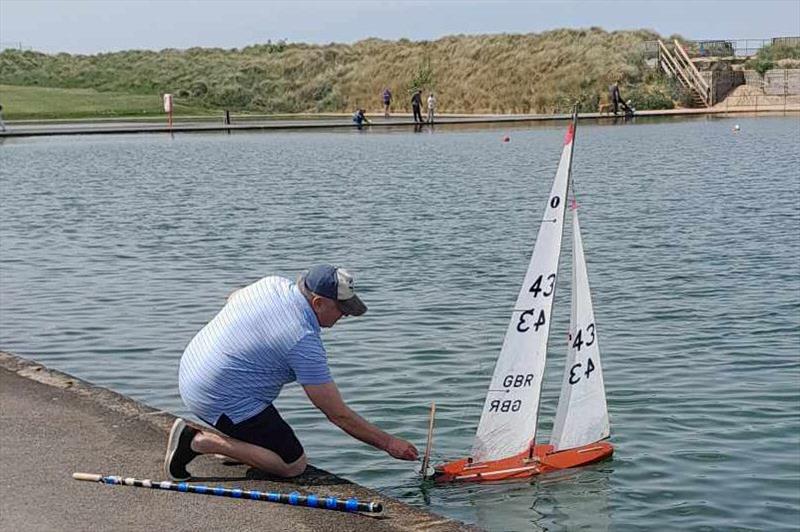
pixel 168 108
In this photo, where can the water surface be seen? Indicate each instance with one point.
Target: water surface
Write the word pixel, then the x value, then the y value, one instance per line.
pixel 114 251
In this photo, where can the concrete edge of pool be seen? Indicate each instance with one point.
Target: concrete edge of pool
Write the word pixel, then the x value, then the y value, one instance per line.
pixel 121 126
pixel 55 424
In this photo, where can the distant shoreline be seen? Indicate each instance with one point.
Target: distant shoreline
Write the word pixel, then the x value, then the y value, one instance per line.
pixel 197 124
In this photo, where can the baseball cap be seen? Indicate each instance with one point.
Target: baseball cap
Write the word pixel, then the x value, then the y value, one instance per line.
pixel 334 283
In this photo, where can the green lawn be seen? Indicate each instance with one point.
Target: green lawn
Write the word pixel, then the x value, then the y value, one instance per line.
pixel 26 102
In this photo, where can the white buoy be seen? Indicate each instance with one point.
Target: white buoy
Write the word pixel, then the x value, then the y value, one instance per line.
pixel 736 127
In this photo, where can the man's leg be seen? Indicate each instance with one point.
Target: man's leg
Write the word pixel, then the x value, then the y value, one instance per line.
pixel 264 441
pixel 207 442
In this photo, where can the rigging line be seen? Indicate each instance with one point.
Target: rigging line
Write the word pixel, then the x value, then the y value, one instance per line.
pixel 574 186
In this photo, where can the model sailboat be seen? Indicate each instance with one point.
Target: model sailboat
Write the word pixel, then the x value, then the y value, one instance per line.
pixel 505 444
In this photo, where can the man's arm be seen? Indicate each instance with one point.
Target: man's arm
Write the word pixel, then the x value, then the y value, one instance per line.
pixel 327 398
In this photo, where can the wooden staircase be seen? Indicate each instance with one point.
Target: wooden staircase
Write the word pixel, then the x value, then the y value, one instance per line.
pixel 675 62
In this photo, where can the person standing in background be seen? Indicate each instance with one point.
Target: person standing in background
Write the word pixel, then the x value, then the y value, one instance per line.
pixel 416 105
pixel 431 107
pixel 387 101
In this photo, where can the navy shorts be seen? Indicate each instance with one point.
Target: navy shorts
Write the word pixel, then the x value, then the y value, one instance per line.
pixel 266 429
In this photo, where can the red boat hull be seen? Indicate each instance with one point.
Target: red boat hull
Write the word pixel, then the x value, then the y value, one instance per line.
pixel 524 465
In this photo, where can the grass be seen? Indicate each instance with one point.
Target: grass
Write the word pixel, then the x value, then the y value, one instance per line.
pixel 20 103
pixel 546 72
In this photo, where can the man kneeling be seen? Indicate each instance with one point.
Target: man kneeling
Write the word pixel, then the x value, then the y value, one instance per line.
pixel 268 335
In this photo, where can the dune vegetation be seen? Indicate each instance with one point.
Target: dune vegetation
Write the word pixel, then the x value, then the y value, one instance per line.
pixel 779 55
pixel 531 73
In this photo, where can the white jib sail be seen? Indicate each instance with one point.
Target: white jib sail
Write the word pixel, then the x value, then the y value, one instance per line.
pixel 582 415
pixel 508 421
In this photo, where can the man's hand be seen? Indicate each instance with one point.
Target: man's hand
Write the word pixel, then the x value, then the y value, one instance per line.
pixel 402 449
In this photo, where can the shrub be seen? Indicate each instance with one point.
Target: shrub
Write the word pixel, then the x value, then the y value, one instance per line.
pixel 649 97
pixel 230 97
pixel 198 89
pixel 423 76
pixel 767 56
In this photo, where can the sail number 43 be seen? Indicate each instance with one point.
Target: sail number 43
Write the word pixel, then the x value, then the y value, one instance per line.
pixel 544 286
pixel 575 371
pixel 546 291
pixel 578 342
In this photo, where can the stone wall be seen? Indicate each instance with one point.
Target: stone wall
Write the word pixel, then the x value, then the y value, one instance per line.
pixel 776 82
pixel 722 82
pixel 782 81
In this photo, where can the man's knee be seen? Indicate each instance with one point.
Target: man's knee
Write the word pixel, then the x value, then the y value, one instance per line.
pixel 297 467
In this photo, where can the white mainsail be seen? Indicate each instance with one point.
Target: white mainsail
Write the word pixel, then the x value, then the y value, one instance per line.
pixel 508 421
pixel 582 415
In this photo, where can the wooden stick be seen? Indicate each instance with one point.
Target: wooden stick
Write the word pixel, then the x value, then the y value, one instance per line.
pixel 426 459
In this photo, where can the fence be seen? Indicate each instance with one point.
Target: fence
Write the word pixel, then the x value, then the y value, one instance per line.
pixel 787 41
pixel 727 48
pixel 15 45
pixel 721 48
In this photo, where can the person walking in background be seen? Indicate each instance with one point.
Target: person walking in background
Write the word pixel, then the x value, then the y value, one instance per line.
pixel 2 124
pixel 387 101
pixel 416 105
pixel 616 99
pixel 431 107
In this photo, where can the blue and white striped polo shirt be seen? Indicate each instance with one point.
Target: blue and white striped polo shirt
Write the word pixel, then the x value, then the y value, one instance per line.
pixel 266 336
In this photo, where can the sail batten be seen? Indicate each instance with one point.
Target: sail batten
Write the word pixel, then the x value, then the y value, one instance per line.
pixel 509 417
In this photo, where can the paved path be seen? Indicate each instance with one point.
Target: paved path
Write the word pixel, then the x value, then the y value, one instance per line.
pixel 54 424
pixel 201 124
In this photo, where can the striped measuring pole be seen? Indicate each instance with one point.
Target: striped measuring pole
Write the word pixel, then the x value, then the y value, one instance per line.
pixel 294 498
